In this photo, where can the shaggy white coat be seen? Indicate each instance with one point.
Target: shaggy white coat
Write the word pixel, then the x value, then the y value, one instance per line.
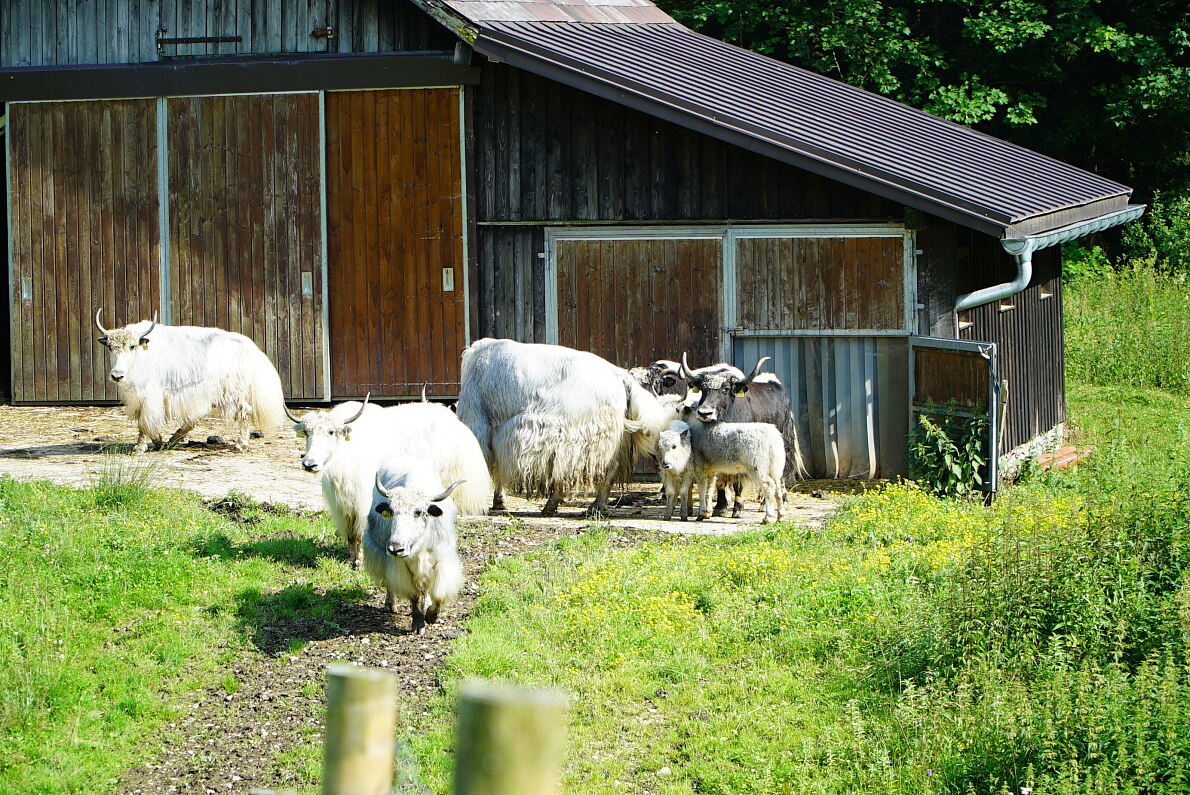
pixel 754 450
pixel 427 572
pixel 348 456
pixel 551 420
pixel 184 373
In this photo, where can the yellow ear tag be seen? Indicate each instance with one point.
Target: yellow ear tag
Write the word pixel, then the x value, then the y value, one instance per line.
pixel 387 514
pixel 144 344
pixel 694 389
pixel 740 392
pixel 347 434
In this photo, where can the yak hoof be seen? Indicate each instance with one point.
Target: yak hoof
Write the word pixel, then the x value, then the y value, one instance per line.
pixel 498 503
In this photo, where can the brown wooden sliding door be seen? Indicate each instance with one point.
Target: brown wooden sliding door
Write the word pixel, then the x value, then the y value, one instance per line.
pixel 245 226
pixel 395 241
pixel 84 223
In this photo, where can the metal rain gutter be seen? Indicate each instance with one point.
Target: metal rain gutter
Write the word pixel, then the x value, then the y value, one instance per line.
pixel 1022 248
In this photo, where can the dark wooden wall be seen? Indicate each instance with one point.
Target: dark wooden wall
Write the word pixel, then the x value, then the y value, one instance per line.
pixel 84 235
pixel 1028 337
pixel 67 32
pixel 394 222
pixel 545 154
pixel 245 226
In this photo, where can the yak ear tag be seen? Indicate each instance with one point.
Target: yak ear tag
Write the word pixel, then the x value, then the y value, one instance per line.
pixel 741 391
pixel 347 434
pixel 144 343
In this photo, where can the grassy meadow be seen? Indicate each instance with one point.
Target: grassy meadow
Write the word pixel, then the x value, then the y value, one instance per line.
pixel 915 645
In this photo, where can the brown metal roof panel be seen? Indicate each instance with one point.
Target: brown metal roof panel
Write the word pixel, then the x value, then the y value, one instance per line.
pixel 863 131
pixel 592 11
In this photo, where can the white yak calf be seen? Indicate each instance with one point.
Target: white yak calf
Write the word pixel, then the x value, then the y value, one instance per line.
pixel 755 450
pixel 171 377
pixel 673 462
pixel 411 547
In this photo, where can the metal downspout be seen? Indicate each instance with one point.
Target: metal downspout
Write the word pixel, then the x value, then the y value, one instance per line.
pixel 1021 249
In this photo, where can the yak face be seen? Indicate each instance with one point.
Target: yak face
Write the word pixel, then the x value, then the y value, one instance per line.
pixel 125 344
pixel 325 432
pixel 673 449
pixel 662 377
pixel 411 514
pixel 717 387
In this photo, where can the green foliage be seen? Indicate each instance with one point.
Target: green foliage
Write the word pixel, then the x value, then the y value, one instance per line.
pixel 1162 235
pixel 947 451
pixel 1129 328
pixel 113 606
pixel 1099 83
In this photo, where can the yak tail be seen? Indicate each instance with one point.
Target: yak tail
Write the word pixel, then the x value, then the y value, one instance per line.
pixel 265 395
pixel 795 462
pixel 474 494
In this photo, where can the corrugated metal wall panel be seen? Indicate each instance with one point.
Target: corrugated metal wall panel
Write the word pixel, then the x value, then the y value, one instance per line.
pixel 394 221
pixel 245 223
pixel 84 236
pixel 849 396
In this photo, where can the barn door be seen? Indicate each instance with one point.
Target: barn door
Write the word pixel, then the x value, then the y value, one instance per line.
pixel 959 378
pixel 829 305
pixel 395 241
pixel 639 299
pixel 245 226
pixel 84 235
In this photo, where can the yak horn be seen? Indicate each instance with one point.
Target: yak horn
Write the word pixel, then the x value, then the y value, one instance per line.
pixel 153 326
pixel 423 393
pixel 99 325
pixel 359 413
pixel 293 417
pixel 380 487
pixel 446 493
pixel 756 370
pixel 689 376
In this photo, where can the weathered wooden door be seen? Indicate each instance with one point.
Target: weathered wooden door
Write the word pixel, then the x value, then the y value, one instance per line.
pixel 85 235
pixel 395 241
pixel 635 300
pixel 245 226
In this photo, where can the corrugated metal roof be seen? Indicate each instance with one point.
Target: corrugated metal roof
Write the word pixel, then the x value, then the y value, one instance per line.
pixel 592 11
pixel 827 125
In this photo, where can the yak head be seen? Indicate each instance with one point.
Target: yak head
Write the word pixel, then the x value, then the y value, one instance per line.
pixel 325 432
pixel 717 387
pixel 125 344
pixel 662 377
pixel 409 513
pixel 673 448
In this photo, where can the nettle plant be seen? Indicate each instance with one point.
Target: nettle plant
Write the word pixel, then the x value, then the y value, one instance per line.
pixel 947 450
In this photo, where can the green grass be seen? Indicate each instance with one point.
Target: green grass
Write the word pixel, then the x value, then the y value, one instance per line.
pixel 117 600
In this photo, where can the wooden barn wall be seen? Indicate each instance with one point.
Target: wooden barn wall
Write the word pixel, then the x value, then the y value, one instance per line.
pixel 546 154
pixel 394 222
pixel 68 32
pixel 245 222
pixel 84 236
pixel 1028 337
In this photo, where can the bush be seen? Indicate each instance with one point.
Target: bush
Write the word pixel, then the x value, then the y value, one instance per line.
pixel 947 452
pixel 1162 235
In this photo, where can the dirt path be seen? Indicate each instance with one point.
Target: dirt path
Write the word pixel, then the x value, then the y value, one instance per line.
pixel 231 741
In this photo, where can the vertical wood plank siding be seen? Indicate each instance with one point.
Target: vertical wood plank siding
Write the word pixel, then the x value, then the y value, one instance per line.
pixel 84 235
pixel 1028 338
pixel 941 376
pixel 394 221
pixel 245 225
pixel 820 284
pixel 67 32
pixel 635 301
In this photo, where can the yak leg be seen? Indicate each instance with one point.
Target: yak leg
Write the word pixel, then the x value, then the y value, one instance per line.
pixel 737 504
pixel 498 497
pixel 704 498
pixel 180 434
pixel 390 602
pixel 551 505
pixel 419 617
pixel 149 422
pixel 721 499
pixel 686 492
pixel 598 508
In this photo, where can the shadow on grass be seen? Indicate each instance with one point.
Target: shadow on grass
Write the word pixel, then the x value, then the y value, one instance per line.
pixel 286 620
pixel 287 548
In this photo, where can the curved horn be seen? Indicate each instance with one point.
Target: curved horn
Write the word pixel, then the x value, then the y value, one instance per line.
pixel 756 370
pixel 99 325
pixel 293 417
pixel 446 493
pixel 153 326
pixel 359 413
pixel 423 393
pixel 380 487
pixel 689 376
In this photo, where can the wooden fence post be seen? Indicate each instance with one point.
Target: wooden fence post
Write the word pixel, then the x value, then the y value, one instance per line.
pixel 509 740
pixel 361 719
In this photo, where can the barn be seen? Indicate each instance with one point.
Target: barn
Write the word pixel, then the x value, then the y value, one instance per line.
pixel 364 186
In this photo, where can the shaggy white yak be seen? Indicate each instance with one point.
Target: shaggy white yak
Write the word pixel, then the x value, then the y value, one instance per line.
pixel 347 443
pixel 171 377
pixel 552 420
pixel 411 547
